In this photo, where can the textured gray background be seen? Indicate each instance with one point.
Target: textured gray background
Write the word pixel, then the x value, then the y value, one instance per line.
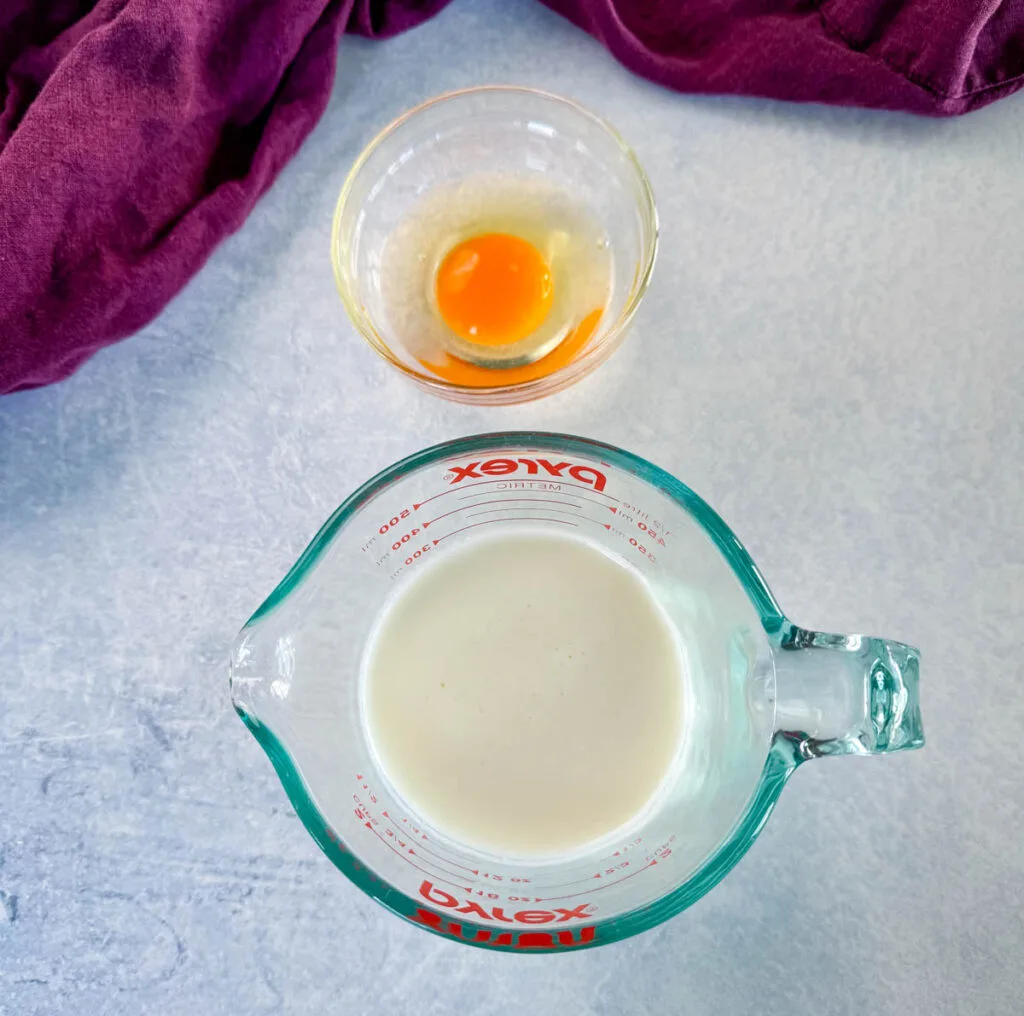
pixel 830 353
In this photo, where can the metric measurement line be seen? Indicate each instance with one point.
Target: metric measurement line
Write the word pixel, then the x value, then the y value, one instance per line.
pixel 592 500
pixel 577 497
pixel 562 885
pixel 527 518
pixel 419 846
pixel 383 839
pixel 604 885
pixel 523 508
pixel 543 490
pixel 586 518
pixel 528 500
pixel 447 860
pixel 417 505
pixel 451 490
pixel 498 500
pixel 454 511
pixel 582 486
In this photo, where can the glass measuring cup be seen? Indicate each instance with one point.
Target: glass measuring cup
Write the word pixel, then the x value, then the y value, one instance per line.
pixel 766 695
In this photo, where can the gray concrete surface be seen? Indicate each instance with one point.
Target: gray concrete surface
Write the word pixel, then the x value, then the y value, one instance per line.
pixel 831 354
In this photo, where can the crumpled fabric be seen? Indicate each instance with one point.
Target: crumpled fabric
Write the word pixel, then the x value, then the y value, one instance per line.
pixel 136 134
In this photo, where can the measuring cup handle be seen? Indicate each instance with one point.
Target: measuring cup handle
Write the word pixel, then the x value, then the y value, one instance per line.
pixel 846 694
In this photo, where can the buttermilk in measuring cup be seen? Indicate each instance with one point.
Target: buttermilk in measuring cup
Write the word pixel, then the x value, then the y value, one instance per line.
pixel 524 694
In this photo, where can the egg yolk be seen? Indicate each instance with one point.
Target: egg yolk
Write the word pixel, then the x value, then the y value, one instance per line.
pixel 494 289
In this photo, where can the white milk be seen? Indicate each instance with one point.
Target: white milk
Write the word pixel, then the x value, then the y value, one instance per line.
pixel 524 694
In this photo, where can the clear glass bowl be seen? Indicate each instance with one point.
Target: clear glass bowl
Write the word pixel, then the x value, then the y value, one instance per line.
pixel 473 133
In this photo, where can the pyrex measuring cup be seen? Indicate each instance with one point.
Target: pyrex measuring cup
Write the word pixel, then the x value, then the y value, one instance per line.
pixel 767 695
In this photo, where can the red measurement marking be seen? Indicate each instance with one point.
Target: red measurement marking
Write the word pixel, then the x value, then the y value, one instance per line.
pixel 416 830
pixel 500 500
pixel 542 489
pixel 447 860
pixel 489 522
pixel 454 511
pixel 554 511
pixel 482 483
pixel 528 500
pixel 458 885
pixel 628 847
pixel 580 486
pixel 604 885
pixel 417 505
pixel 427 850
pixel 592 500
pixel 454 490
pixel 563 885
pixel 650 531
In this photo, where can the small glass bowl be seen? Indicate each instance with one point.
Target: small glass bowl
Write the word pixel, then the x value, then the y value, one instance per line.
pixel 473 133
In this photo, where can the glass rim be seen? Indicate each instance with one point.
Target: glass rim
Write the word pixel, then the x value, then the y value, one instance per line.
pixel 605 341
pixel 778 766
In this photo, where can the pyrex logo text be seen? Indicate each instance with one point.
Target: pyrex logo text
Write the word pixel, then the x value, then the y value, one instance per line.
pixel 514 938
pixel 573 936
pixel 439 897
pixel 534 467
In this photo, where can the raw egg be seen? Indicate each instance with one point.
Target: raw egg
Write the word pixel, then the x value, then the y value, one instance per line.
pixel 494 289
pixel 495 279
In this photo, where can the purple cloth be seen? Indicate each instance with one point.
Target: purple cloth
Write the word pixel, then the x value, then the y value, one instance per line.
pixel 137 134
pixel 936 57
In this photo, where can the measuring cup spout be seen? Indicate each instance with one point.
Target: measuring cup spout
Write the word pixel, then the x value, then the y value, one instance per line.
pixel 846 694
pixel 260 672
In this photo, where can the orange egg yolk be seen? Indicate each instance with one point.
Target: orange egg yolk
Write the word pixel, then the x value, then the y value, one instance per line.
pixel 494 289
